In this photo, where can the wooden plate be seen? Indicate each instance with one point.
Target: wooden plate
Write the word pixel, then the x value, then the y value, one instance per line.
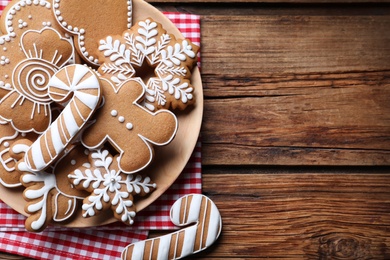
pixel 169 160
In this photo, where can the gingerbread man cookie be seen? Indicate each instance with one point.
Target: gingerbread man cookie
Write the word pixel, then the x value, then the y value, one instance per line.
pixel 163 62
pixel 110 188
pixel 128 126
pixel 91 20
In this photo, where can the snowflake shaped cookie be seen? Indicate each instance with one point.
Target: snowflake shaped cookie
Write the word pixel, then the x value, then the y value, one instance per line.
pixel 109 187
pixel 148 52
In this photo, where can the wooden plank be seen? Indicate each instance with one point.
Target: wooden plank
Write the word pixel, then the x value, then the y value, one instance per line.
pixel 5 256
pixel 294 44
pixel 205 9
pixel 315 216
pixel 313 90
pixel 302 124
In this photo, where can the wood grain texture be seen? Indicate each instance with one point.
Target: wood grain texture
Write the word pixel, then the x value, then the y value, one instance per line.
pixel 302 216
pixel 301 90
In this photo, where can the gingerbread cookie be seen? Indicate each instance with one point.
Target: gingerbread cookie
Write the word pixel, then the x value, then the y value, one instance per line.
pixel 194 209
pixel 27 104
pixel 109 187
pixel 50 197
pixel 17 18
pixel 128 126
pixel 163 62
pixel 78 87
pixel 91 20
pixel 9 176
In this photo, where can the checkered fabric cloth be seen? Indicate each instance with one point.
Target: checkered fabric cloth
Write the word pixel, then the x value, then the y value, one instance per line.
pixel 104 242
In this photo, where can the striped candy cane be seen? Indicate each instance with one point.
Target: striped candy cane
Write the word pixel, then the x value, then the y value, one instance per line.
pixel 189 209
pixel 80 85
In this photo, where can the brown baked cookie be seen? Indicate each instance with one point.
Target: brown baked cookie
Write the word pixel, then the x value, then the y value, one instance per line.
pixel 78 87
pixel 160 61
pixel 50 197
pixel 9 176
pixel 129 127
pixel 91 20
pixel 109 187
pixel 195 209
pixel 27 104
pixel 17 18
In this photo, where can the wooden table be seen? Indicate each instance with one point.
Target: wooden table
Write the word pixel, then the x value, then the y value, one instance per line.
pixel 296 128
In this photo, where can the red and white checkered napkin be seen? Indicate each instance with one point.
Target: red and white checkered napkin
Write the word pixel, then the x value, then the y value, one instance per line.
pixel 105 242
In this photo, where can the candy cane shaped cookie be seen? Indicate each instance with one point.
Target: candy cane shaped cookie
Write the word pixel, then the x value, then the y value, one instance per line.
pixel 80 85
pixel 189 209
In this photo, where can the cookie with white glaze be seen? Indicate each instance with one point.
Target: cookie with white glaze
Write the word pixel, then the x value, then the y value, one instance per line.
pixel 27 105
pixel 202 225
pixel 129 127
pixel 110 189
pixel 9 176
pixel 49 196
pixel 159 61
pixel 17 18
pixel 90 20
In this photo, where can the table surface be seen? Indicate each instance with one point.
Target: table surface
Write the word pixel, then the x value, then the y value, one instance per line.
pixel 296 127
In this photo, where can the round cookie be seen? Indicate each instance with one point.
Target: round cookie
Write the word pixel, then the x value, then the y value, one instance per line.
pixel 91 20
pixel 161 63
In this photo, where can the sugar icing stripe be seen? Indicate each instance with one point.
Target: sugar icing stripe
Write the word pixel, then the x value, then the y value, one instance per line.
pixel 195 208
pixel 81 83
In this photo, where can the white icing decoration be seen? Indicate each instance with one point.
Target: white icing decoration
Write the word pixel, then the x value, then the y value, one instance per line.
pixel 114 113
pixel 5 162
pixel 66 122
pixel 41 194
pixel 129 126
pixel 31 75
pixel 195 211
pixel 148 141
pixel 17 7
pixel 105 180
pixel 79 31
pixel 161 55
pixel 121 119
